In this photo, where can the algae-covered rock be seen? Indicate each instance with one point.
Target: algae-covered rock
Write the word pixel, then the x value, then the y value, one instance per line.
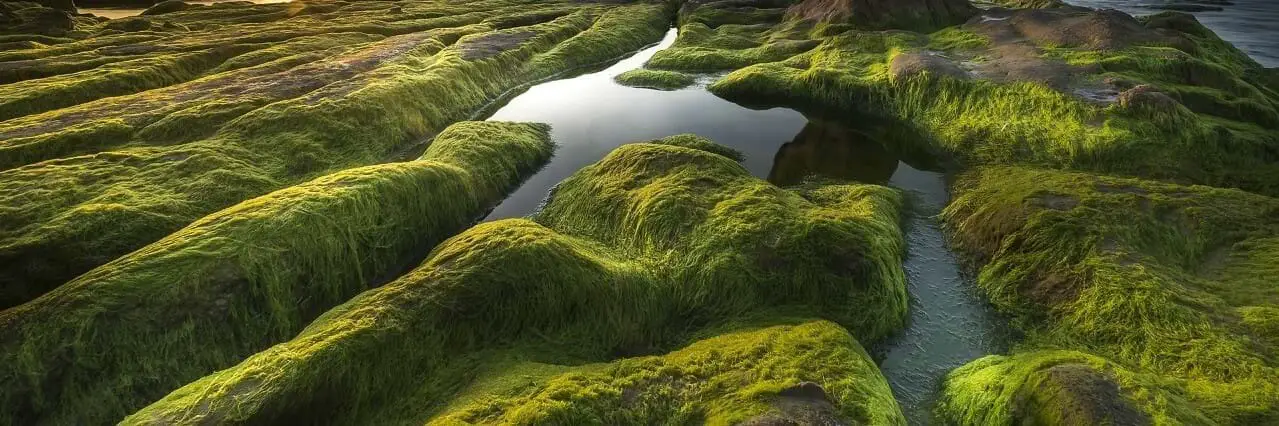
pixel 1172 281
pixel 168 6
pixel 628 257
pixel 1037 91
pixel 918 15
pixel 1059 388
pixel 113 141
pixel 232 283
pixel 753 377
pixel 655 79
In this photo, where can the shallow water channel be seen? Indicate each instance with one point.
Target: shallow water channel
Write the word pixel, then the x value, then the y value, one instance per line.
pixel 591 115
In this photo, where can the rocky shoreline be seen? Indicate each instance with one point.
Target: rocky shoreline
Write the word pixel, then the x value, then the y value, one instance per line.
pixel 201 220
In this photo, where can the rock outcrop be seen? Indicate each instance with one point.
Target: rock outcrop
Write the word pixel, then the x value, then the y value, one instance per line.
pixel 920 15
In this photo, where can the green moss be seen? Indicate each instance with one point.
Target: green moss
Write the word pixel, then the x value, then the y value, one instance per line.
pixel 725 379
pixel 187 150
pixel 655 79
pixel 1166 279
pixel 689 140
pixel 1057 387
pixel 232 283
pixel 629 256
pixel 978 121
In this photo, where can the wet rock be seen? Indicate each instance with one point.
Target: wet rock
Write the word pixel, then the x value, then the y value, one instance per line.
pixel 911 64
pixel 920 15
pixel 1147 97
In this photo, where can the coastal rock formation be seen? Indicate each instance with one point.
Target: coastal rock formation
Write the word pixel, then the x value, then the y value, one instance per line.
pixel 128 137
pixel 630 256
pixel 241 279
pixel 1170 280
pixel 920 15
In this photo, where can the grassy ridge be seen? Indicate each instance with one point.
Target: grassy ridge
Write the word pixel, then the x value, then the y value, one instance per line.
pixel 630 256
pixel 1159 278
pixel 243 278
pixel 137 177
pixel 740 375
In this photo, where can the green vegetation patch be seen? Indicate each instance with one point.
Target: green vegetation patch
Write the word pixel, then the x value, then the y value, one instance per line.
pixel 308 92
pixel 812 371
pixel 1057 387
pixel 239 280
pixel 1195 112
pixel 630 256
pixel 656 79
pixel 1165 279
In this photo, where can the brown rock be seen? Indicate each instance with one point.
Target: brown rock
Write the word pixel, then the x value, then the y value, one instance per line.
pixel 918 15
pixel 1147 97
pixel 911 64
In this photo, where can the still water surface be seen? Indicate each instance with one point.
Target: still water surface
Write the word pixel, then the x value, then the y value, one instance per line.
pixel 591 115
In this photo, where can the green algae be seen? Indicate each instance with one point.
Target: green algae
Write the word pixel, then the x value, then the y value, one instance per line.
pixel 1057 387
pixel 236 281
pixel 655 79
pixel 733 377
pixel 630 256
pixel 1164 279
pixel 1218 131
pixel 146 164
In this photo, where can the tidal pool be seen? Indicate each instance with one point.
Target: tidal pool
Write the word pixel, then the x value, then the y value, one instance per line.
pixel 591 115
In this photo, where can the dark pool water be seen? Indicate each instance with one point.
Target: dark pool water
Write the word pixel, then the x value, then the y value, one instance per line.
pixel 1251 25
pixel 591 115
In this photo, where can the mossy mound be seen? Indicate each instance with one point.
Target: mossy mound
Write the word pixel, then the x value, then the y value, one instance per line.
pixel 655 79
pixel 1169 280
pixel 813 372
pixel 126 333
pixel 727 35
pixel 1042 87
pixel 630 256
pixel 916 15
pixel 1056 387
pixel 116 139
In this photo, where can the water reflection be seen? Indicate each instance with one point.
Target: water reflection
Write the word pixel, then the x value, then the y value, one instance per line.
pixel 591 115
pixel 827 149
